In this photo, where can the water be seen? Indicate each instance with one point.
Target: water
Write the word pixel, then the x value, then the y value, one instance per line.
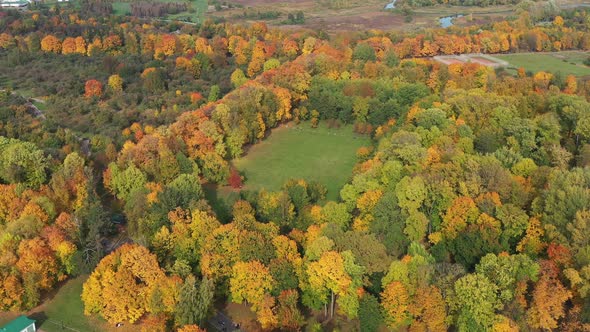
pixel 390 5
pixel 447 21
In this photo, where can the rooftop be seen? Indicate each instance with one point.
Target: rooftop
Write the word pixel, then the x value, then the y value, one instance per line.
pixel 17 325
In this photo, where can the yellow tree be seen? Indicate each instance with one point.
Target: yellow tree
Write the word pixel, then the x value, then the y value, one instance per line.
pixel 50 44
pixel 328 275
pixel 122 286
pixel 68 46
pixel 80 45
pixel 115 83
pixel 395 301
pixel 250 282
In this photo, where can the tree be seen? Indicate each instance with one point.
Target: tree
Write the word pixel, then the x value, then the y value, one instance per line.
pixel 364 52
pixel 288 315
pixel 549 297
pixel 336 275
pixel 395 301
pixel 22 162
pixel 116 83
pixel 124 182
pixel 123 285
pixel 68 46
pixel 476 303
pixel 235 179
pixel 50 44
pixel 193 304
pixel 190 328
pixel 428 310
pixel 38 266
pixel 186 311
pixel 92 88
pixel 370 317
pixel 238 78
pixel 249 283
pixel 507 271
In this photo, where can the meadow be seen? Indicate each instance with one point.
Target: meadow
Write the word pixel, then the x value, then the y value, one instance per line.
pixel 65 310
pixel 197 14
pixel 567 62
pixel 322 154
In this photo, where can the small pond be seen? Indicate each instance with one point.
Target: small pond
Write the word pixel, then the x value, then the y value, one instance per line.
pixel 390 5
pixel 447 21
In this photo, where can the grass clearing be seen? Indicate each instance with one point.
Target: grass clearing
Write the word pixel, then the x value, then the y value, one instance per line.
pixel 66 308
pixel 122 8
pixel 567 62
pixel 196 12
pixel 299 151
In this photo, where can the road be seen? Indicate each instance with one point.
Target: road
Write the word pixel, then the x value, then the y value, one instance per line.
pixel 223 323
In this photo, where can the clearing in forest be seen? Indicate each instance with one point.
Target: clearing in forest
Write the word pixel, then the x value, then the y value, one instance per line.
pixel 293 151
pixel 566 62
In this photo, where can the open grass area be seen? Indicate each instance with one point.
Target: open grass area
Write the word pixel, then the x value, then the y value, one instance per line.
pixel 66 308
pixel 196 12
pixel 121 8
pixel 299 151
pixel 567 62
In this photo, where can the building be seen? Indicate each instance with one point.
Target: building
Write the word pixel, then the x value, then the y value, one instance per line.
pixel 20 324
pixel 14 3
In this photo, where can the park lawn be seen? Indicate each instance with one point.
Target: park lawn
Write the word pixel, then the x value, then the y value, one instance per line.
pixel 66 307
pixel 301 152
pixel 567 62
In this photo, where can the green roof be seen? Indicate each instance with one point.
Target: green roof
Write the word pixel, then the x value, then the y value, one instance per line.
pixel 18 324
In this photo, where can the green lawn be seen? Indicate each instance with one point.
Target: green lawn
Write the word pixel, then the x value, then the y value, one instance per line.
pixel 122 8
pixel 66 307
pixel 567 62
pixel 321 154
pixel 199 6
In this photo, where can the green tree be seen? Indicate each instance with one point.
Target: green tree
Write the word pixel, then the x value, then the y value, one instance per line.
pixel 124 182
pixel 370 317
pixel 22 162
pixel 364 52
pixel 476 302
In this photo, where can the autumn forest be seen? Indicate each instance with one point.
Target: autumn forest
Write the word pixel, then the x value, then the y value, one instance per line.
pixel 467 207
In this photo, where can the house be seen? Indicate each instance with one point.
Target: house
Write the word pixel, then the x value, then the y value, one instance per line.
pixel 13 3
pixel 20 324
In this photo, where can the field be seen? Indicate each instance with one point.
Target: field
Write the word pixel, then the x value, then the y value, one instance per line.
pixel 64 311
pixel 65 308
pixel 321 154
pixel 567 62
pixel 361 15
pixel 199 7
pixel 481 59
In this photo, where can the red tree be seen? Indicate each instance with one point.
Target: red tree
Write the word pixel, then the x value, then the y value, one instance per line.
pixel 235 180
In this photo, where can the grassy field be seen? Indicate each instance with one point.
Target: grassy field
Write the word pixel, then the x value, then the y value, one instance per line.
pixel 321 154
pixel 200 7
pixel 363 15
pixel 567 62
pixel 65 308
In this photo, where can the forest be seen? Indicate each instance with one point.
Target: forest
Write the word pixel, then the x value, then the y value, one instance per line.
pixel 467 210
